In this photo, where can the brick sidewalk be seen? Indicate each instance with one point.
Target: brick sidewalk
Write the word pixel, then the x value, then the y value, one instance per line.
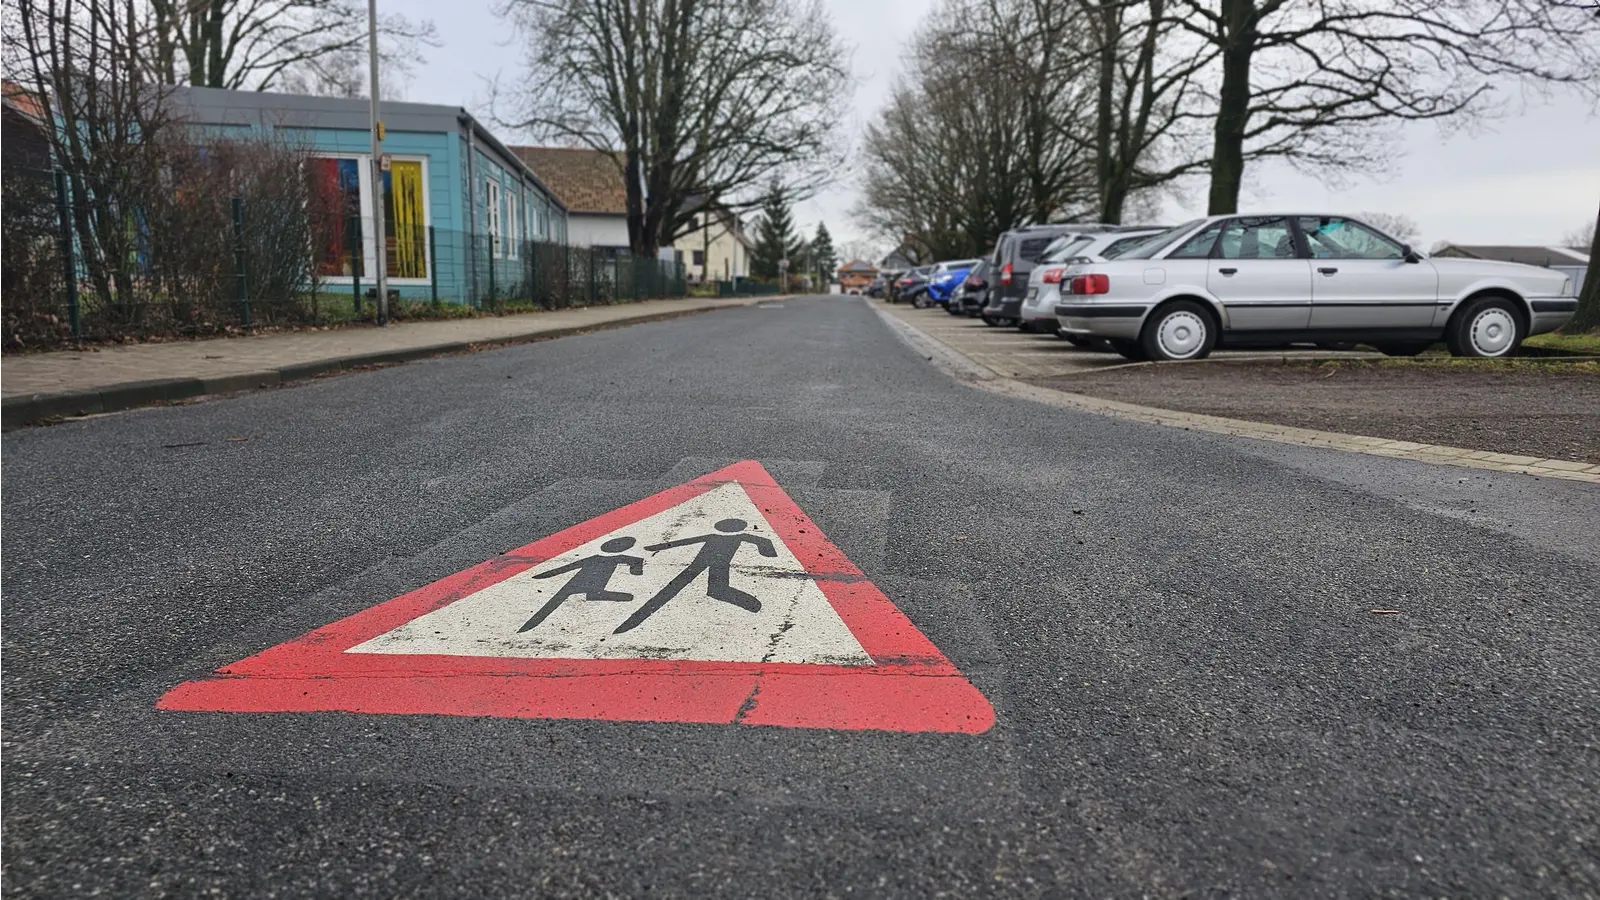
pixel 68 382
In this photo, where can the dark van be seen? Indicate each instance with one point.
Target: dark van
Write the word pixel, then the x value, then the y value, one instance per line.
pixel 1014 256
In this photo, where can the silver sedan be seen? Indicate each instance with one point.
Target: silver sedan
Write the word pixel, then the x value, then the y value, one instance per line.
pixel 1265 280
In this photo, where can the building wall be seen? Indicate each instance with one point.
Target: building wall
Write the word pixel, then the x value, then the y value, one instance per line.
pixel 725 256
pixel 454 193
pixel 592 230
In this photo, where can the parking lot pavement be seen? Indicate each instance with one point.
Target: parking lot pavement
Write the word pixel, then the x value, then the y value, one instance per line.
pixel 1012 353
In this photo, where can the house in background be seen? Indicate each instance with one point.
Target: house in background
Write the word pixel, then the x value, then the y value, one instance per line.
pixel 589 183
pixel 855 275
pixel 717 249
pixel 1574 261
pixel 448 179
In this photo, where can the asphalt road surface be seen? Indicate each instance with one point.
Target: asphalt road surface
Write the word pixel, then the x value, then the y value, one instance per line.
pixel 1192 695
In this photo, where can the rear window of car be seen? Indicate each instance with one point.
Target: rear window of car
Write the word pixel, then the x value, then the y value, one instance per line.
pixel 1031 249
pixel 1072 247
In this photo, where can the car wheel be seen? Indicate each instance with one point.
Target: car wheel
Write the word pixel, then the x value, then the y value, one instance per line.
pixel 1488 327
pixel 990 321
pixel 1133 350
pixel 1179 331
pixel 1076 340
pixel 1411 349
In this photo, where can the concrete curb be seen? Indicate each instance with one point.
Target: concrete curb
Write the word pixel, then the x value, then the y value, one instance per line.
pixel 32 409
pixel 978 375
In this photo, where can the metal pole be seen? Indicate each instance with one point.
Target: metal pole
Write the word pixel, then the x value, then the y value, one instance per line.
pixel 433 266
pixel 238 259
pixel 69 266
pixel 377 167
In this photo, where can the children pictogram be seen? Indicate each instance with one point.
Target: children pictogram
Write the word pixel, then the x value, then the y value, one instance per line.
pixel 592 577
pixel 716 558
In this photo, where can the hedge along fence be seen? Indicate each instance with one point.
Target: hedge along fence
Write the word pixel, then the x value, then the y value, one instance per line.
pixel 204 238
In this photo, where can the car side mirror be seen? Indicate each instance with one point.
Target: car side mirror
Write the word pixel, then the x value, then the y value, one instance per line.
pixel 1411 256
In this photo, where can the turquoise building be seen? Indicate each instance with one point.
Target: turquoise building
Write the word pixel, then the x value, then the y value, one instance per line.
pixel 461 211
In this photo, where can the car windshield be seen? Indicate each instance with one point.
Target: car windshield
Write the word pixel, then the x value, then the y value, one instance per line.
pixel 1067 246
pixel 1118 248
pixel 1157 242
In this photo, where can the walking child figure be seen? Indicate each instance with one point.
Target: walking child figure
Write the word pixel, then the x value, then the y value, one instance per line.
pixel 593 576
pixel 715 557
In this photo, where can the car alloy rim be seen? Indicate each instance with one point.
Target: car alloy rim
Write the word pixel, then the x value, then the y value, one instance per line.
pixel 1181 334
pixel 1493 331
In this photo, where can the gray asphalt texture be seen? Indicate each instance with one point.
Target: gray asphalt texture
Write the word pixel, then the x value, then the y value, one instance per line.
pixel 1175 629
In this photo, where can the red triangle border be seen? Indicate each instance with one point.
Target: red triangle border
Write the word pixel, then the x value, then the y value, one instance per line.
pixel 911 687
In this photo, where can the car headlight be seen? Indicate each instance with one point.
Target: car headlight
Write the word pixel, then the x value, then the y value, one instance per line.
pixel 1566 287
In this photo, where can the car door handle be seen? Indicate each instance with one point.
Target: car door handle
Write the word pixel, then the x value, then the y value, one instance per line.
pixel 1227 271
pixel 1328 270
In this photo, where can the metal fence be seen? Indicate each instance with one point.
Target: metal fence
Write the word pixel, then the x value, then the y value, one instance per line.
pixel 215 265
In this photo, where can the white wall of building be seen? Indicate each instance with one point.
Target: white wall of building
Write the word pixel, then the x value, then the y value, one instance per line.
pixel 589 230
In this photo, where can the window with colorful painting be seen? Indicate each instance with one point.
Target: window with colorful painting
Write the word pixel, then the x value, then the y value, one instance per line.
pixel 405 219
pixel 336 216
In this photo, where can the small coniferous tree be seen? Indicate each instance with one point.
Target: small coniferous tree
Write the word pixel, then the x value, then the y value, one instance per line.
pixel 775 236
pixel 823 257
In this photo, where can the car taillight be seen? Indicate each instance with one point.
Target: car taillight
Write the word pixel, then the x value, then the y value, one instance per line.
pixel 1005 274
pixel 1052 276
pixel 1091 284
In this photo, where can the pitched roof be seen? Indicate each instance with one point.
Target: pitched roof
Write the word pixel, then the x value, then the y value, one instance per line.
pixel 1527 254
pixel 587 181
pixel 858 265
pixel 23 100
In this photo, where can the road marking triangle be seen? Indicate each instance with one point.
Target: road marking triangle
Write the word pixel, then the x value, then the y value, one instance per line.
pixel 717 600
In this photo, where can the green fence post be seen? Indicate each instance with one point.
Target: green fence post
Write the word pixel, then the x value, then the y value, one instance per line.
pixel 238 259
pixel 69 266
pixel 433 268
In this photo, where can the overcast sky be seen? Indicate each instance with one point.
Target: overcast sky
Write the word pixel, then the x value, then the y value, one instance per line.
pixel 1530 177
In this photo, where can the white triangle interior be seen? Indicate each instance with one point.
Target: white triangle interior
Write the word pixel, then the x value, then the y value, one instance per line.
pixel 795 622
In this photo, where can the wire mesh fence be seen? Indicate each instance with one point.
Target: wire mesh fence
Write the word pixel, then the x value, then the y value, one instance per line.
pixel 197 262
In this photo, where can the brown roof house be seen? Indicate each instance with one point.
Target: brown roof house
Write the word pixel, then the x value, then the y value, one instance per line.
pixel 590 183
pixel 855 275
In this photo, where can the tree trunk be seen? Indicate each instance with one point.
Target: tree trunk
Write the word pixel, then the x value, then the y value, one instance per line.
pixel 1588 315
pixel 1105 162
pixel 1233 106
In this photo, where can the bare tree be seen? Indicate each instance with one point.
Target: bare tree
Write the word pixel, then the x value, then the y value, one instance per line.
pixel 703 102
pixel 84 58
pixel 1395 225
pixel 1579 237
pixel 1588 315
pixel 983 133
pixel 1314 82
pixel 1148 95
pixel 257 44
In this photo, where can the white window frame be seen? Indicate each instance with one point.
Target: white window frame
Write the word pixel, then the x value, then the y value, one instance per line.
pixel 369 239
pixel 513 234
pixel 491 215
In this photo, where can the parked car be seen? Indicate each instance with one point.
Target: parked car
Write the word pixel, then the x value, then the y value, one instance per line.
pixel 974 291
pixel 945 279
pixel 1240 281
pixel 1015 254
pixel 876 286
pixel 911 284
pixel 1038 313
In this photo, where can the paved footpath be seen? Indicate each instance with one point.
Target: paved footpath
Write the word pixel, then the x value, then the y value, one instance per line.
pixel 41 385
